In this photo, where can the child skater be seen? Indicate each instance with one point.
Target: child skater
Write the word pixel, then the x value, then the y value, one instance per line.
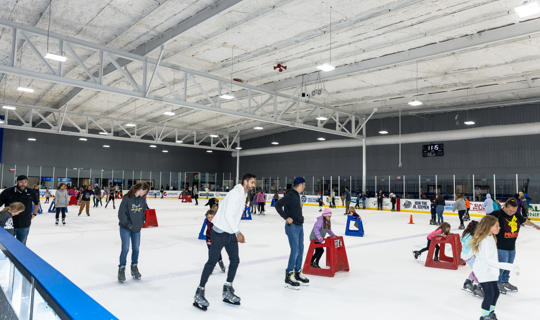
pixel 352 212
pixel 487 265
pixel 321 227
pixel 471 284
pixel 47 195
pixel 433 213
pixel 6 216
pixel 442 230
pixel 320 201
pixel 210 214
pixel 468 205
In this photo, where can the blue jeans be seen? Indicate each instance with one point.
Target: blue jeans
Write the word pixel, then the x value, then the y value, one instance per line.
pixel 505 256
pixel 125 235
pixel 296 242
pixel 21 234
pixel 363 204
pixel 440 210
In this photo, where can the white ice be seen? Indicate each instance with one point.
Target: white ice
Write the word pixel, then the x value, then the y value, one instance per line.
pixel 384 282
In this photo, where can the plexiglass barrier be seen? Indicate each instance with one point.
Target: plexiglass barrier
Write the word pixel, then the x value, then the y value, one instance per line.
pixel 34 290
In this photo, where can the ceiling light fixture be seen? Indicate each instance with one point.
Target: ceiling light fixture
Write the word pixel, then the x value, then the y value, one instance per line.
pixel 9 108
pixel 169 113
pixel 1 121
pixel 83 139
pixel 258 128
pixel 238 148
pixel 226 96
pixel 328 66
pixel 209 151
pixel 23 89
pixel 152 146
pixel 527 9
pixel 131 125
pixel 321 139
pixel 165 151
pixel 383 132
pixel 56 57
pixel 415 103
pixel 275 143
pixel 31 139
pixel 469 123
pixel 179 141
pixel 214 136
pixel 103 133
pixel 321 118
pixel 106 146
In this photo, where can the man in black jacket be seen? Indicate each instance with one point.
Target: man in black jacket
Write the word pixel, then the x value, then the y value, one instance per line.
pixel 290 209
pixel 380 197
pixel 20 193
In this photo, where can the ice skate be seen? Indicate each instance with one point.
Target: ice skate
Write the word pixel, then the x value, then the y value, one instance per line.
pixel 113 206
pixel 416 254
pixel 199 299
pixel 502 289
pixel 64 222
pixel 478 292
pixel 315 264
pixel 135 272
pixel 468 285
pixel 461 227
pixel 300 278
pixel 56 222
pixel 509 287
pixel 122 274
pixel 221 265
pixel 436 259
pixel 290 281
pixel 229 296
pixel 79 214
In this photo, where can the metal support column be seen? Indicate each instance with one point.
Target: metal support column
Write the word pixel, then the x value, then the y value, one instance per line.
pixel 473 195
pixel 454 187
pixel 494 188
pixel 404 187
pixel 436 188
pixel 364 159
pixel 517 182
pixel 237 165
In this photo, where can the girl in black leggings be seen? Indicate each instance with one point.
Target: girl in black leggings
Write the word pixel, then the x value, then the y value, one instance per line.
pixel 442 231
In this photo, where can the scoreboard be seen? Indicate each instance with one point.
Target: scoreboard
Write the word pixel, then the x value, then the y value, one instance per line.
pixel 433 150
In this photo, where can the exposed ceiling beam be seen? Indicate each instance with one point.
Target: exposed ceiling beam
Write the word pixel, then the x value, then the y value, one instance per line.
pixel 205 15
pixel 490 37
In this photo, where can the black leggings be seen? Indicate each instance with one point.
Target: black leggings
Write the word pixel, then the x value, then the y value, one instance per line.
pixel 220 241
pixel 491 294
pixel 437 248
pixel 461 213
pixel 317 255
pixel 379 204
pixel 261 207
pixel 63 212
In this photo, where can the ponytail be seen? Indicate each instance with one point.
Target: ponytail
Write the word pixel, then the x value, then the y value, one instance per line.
pixel 15 206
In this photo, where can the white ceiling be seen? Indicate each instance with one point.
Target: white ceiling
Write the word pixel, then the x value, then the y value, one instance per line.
pixel 262 33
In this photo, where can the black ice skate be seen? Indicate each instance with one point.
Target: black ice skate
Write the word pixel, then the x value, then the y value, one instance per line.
pixel 56 222
pixel 502 289
pixel 199 299
pixel 478 292
pixel 290 281
pixel 509 287
pixel 221 265
pixel 315 264
pixel 299 276
pixel 468 285
pixel 64 221
pixel 229 296
pixel 122 274
pixel 461 227
pixel 416 254
pixel 135 272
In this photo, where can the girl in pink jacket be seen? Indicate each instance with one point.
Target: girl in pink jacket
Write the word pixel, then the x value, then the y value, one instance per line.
pixel 321 227
pixel 261 200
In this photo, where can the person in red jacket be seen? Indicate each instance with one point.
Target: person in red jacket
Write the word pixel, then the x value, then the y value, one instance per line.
pixel 210 214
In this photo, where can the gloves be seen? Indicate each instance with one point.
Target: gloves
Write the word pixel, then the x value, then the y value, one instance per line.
pixel 515 270
pixel 321 240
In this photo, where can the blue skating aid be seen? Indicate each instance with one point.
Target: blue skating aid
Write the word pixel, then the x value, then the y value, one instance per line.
pixel 39 210
pixel 273 204
pixel 52 208
pixel 247 214
pixel 202 236
pixel 356 233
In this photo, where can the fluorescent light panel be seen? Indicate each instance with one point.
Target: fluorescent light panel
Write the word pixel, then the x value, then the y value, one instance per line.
pixel 152 146
pixel 469 123
pixel 106 146
pixel 169 113
pixel 214 136
pixel 103 133
pixel 209 151
pixel 321 118
pixel 9 108
pixel 383 132
pixel 325 67
pixel 415 103
pixel 56 57
pixel 275 143
pixel 131 125
pixel 528 9
pixel 238 148
pixel 258 128
pixel 179 141
pixel 165 151
pixel 321 139
pixel 23 89
pixel 226 96
pixel 31 139
pixel 83 139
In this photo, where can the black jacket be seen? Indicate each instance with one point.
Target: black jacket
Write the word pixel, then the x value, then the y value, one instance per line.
pixel 290 206
pixel 27 197
pixel 439 201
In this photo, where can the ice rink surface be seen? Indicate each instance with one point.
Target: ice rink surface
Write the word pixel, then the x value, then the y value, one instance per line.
pixel 384 282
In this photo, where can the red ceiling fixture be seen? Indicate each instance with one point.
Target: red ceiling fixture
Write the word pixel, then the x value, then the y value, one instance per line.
pixel 280 67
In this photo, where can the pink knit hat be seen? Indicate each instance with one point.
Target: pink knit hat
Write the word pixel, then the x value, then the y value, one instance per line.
pixel 327 212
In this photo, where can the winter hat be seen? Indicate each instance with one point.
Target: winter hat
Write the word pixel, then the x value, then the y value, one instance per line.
pixel 327 212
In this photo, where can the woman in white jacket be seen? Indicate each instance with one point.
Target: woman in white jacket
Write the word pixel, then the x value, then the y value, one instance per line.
pixel 486 267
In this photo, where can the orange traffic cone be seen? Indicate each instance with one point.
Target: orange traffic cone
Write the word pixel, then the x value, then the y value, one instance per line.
pixel 411 222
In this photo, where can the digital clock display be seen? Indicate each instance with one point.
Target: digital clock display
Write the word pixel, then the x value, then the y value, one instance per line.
pixel 433 150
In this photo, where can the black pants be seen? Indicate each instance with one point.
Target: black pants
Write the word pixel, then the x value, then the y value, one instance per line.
pixel 461 213
pixel 63 212
pixel 220 240
pixel 524 212
pixel 333 202
pixel 196 199
pixel 109 200
pixel 357 206
pixel 261 207
pixel 468 211
pixel 379 204
pixel 433 216
pixel 437 248
pixel 317 255
pixel 393 206
pixel 491 294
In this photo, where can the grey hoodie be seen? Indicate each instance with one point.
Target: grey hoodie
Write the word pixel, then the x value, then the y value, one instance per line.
pixel 61 198
pixel 459 205
pixel 131 213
